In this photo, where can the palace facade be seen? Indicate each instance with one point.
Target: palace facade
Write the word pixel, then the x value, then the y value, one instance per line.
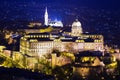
pixel 41 43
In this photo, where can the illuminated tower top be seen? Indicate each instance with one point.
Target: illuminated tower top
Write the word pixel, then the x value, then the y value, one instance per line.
pixel 46 17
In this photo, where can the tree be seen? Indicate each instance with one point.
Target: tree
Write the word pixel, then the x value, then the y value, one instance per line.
pixel 47 69
pixel 63 72
pixel 2 60
pixel 56 51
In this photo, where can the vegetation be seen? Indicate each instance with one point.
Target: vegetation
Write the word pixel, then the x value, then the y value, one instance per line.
pixel 46 66
pixel 8 62
pixel 2 60
pixel 63 72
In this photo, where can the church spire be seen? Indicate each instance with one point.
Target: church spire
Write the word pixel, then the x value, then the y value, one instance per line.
pixel 46 17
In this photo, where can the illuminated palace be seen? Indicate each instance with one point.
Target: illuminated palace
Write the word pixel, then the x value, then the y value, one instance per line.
pixel 37 43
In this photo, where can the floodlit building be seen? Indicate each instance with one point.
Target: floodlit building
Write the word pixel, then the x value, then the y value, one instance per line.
pixel 41 41
pixel 76 28
pixel 33 24
pixel 54 23
pixel 39 44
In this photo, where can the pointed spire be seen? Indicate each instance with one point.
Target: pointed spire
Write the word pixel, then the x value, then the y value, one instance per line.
pixel 46 11
pixel 46 17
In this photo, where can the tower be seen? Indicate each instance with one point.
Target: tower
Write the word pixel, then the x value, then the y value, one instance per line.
pixel 46 17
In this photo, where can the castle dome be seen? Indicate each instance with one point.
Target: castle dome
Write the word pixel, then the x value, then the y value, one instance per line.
pixel 76 23
pixel 76 28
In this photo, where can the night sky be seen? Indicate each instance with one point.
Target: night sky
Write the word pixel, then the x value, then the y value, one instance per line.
pixel 89 3
pixel 96 16
pixel 32 9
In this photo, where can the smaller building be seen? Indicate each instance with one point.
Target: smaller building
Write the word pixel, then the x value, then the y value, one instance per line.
pixel 56 23
pixel 87 61
pixel 59 60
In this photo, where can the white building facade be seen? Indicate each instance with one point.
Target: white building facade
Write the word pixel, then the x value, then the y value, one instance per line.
pixel 39 44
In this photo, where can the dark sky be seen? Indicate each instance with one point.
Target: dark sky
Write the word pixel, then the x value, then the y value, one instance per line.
pixel 10 9
pixel 89 3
